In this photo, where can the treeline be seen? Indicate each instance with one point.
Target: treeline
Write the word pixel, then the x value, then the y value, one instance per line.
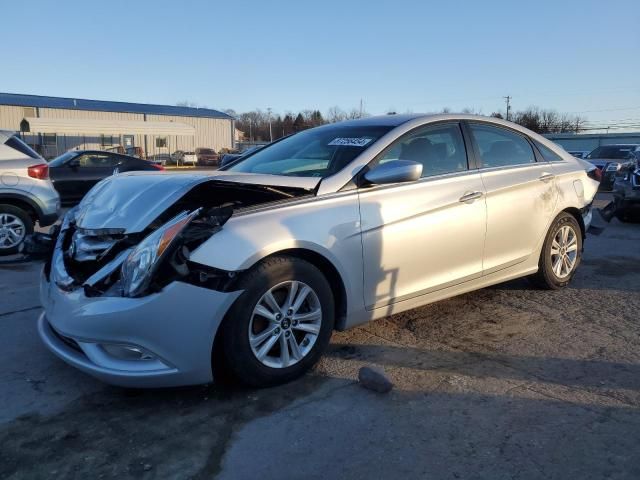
pixel 546 121
pixel 262 126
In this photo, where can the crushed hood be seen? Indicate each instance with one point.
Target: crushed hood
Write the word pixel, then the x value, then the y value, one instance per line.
pixel 129 202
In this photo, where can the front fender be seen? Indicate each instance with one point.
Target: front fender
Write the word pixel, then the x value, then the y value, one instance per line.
pixel 327 226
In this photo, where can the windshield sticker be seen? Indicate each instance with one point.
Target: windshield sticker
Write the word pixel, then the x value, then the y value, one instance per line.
pixel 349 142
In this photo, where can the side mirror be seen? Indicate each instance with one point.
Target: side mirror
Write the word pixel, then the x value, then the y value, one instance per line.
pixel 73 163
pixel 394 171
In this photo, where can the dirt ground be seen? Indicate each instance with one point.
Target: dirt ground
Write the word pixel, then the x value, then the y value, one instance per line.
pixel 506 382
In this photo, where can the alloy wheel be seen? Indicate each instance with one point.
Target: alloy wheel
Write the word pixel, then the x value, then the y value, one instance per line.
pixel 12 230
pixel 285 324
pixel 564 251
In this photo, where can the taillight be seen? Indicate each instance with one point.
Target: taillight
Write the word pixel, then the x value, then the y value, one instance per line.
pixel 157 167
pixel 41 171
pixel 595 174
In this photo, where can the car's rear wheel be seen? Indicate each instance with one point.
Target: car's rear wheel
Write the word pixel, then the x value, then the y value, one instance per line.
pixel 561 253
pixel 280 325
pixel 15 225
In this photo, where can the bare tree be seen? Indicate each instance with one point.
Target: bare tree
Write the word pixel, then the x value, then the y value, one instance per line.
pixel 335 114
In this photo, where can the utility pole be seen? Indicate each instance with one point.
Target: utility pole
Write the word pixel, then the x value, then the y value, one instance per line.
pixel 508 100
pixel 360 109
pixel 270 133
pixel 250 132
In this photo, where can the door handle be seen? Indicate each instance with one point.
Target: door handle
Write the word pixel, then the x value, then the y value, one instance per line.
pixel 545 177
pixel 469 197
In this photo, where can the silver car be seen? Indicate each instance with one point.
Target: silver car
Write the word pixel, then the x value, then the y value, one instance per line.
pixel 161 280
pixel 27 195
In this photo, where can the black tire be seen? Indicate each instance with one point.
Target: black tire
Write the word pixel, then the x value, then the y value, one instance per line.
pixel 546 277
pixel 26 220
pixel 238 356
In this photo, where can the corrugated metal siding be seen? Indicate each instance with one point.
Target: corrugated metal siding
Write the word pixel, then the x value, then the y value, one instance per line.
pixel 210 132
pixel 588 142
pixel 10 117
pixel 70 142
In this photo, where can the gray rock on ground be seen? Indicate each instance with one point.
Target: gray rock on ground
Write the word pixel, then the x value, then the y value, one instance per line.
pixel 374 378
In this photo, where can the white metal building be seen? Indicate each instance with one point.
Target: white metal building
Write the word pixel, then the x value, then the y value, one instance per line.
pixel 53 125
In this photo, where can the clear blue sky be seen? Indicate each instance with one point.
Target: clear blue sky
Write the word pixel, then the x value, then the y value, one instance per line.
pixel 574 56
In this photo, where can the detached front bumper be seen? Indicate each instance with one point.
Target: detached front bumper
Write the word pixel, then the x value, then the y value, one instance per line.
pixel 161 340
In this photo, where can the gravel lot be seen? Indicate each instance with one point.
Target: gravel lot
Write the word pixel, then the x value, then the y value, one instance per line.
pixel 506 382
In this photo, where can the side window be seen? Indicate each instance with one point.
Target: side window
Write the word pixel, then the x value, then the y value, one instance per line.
pixel 97 160
pixel 500 147
pixel 439 148
pixel 548 154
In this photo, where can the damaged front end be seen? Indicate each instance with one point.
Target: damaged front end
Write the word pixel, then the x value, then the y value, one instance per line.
pixel 113 263
pixel 141 257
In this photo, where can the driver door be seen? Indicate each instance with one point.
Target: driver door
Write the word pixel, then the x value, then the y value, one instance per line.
pixel 427 235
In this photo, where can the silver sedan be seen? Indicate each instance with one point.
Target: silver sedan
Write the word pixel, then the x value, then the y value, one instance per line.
pixel 162 280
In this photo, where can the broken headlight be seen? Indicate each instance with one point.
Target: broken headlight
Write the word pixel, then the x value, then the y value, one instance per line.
pixel 141 264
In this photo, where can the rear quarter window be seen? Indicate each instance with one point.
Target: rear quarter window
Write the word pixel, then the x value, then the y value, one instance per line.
pixel 548 154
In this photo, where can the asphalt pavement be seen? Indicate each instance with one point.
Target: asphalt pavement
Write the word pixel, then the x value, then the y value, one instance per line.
pixel 505 382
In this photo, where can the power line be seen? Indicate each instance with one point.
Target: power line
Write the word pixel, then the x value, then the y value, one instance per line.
pixel 608 110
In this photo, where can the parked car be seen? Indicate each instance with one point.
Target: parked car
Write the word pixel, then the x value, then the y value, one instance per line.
pixel 157 280
pixel 230 157
pixel 162 159
pixel 611 159
pixel 626 194
pixel 27 195
pixel 207 157
pixel 188 158
pixel 134 152
pixel 579 153
pixel 74 173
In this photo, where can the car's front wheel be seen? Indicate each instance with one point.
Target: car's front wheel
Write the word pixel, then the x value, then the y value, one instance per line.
pixel 15 225
pixel 280 325
pixel 561 253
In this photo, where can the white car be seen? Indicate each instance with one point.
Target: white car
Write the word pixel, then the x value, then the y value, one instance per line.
pixel 158 279
pixel 27 195
pixel 189 158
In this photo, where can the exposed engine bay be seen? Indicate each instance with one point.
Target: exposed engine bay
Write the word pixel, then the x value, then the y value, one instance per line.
pixel 139 258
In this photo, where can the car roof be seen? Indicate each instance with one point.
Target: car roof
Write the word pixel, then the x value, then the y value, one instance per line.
pixel 395 120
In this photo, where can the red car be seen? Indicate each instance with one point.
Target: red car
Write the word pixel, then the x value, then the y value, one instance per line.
pixel 207 157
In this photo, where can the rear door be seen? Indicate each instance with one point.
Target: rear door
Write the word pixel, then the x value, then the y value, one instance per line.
pixel 520 194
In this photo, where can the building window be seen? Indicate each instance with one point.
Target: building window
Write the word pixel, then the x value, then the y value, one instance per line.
pixel 49 139
pixel 106 140
pixel 161 142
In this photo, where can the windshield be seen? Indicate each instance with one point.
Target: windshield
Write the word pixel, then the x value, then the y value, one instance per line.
pixel 612 151
pixel 206 151
pixel 318 152
pixel 56 162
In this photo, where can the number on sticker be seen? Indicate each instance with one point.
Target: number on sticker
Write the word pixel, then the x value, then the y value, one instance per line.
pixel 349 142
